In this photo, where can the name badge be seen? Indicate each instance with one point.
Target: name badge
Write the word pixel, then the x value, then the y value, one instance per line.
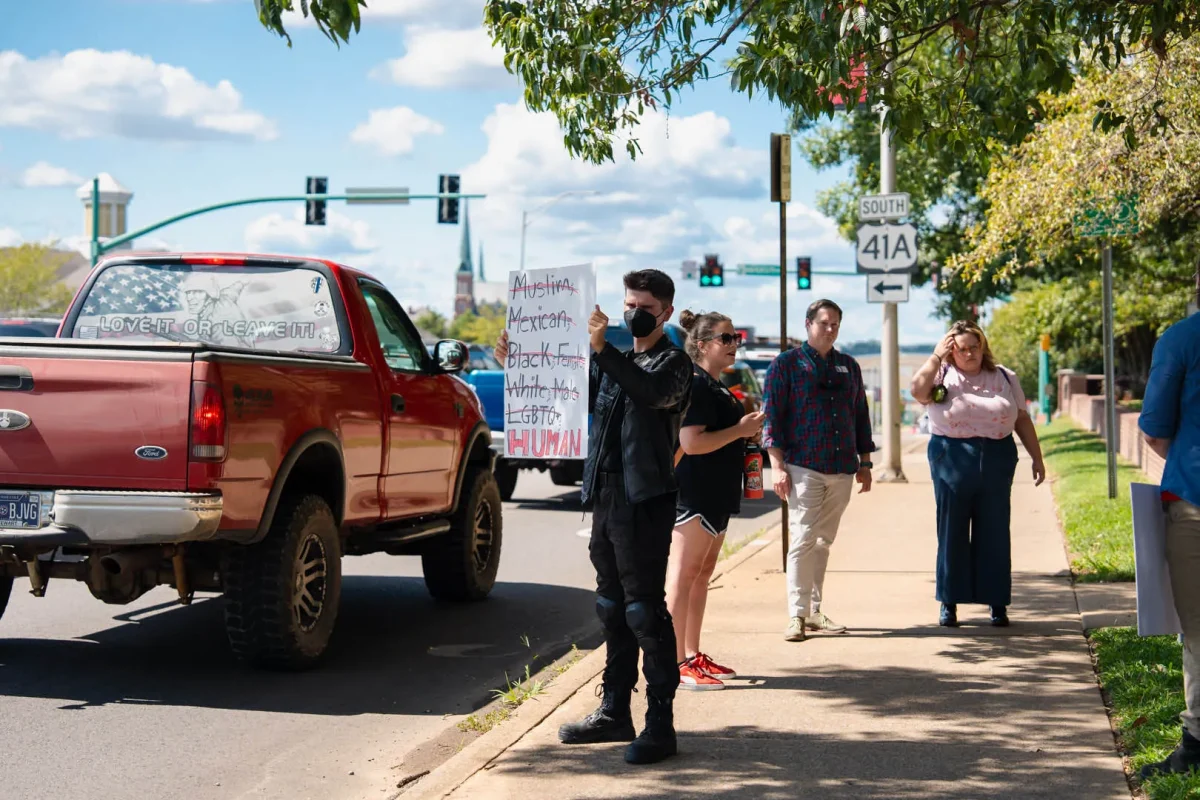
pixel 842 369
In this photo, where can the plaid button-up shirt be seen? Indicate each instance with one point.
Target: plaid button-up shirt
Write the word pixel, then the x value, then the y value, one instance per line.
pixel 817 411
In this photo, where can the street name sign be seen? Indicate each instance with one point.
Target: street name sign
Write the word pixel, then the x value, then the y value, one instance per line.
pixel 351 200
pixel 886 247
pixel 758 269
pixel 888 288
pixel 1120 218
pixel 883 206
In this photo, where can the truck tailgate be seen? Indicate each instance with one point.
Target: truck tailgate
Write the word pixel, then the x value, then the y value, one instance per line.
pixel 115 422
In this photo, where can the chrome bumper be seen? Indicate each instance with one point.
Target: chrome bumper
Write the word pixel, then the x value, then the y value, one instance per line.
pixel 123 518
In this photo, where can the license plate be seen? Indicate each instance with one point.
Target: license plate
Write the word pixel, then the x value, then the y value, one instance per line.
pixel 20 510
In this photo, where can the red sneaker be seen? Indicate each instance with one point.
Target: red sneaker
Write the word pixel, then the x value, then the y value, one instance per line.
pixel 712 668
pixel 690 677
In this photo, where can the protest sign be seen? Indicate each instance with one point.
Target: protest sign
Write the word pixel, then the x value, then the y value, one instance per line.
pixel 546 373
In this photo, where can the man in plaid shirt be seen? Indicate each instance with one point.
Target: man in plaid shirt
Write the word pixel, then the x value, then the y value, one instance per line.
pixel 818 435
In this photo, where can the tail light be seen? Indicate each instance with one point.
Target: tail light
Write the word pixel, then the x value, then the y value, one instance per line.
pixel 208 422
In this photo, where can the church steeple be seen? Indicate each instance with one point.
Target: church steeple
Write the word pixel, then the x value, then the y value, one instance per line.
pixel 464 250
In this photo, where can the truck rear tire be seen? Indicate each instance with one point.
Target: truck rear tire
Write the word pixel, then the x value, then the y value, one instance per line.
pixel 565 476
pixel 282 594
pixel 6 585
pixel 462 564
pixel 506 479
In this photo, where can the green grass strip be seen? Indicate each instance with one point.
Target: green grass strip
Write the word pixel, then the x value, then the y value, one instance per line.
pixel 1143 680
pixel 1099 531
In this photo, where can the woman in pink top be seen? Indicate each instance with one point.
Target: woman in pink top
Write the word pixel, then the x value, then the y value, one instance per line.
pixel 975 405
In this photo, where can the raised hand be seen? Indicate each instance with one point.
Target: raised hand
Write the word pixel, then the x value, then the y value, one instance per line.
pixel 598 328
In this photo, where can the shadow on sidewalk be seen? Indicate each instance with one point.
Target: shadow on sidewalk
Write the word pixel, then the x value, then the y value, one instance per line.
pixel 749 763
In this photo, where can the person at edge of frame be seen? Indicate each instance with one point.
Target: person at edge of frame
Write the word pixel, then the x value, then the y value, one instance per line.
pixel 818 435
pixel 1170 423
pixel 638 400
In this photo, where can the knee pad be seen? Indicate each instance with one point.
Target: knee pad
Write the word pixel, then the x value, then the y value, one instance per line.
pixel 646 621
pixel 609 612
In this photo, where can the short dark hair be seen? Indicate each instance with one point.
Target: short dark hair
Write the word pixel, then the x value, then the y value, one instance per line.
pixel 816 307
pixel 654 281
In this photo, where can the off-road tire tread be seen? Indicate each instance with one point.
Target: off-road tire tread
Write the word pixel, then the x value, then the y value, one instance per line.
pixel 258 617
pixel 562 476
pixel 446 561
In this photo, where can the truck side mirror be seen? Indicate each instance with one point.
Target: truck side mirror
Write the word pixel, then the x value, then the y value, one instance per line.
pixel 450 355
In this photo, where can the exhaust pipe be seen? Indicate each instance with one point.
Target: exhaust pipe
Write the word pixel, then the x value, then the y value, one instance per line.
pixel 127 562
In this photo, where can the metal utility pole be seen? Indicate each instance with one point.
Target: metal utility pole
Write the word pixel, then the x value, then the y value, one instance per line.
pixel 781 192
pixel 892 469
pixel 543 206
pixel 1110 389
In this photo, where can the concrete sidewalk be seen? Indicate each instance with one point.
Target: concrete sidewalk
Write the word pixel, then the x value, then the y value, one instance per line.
pixel 897 708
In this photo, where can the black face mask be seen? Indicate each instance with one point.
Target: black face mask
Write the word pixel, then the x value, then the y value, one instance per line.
pixel 641 323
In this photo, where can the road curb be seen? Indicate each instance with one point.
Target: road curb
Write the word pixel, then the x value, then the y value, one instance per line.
pixel 487 748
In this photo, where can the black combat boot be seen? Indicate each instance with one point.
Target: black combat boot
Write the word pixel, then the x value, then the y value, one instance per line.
pixel 658 739
pixel 1185 757
pixel 611 722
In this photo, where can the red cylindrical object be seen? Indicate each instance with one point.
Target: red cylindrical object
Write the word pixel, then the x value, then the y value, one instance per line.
pixel 753 472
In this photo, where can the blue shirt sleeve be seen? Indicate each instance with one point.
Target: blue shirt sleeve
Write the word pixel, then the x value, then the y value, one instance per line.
pixel 775 402
pixel 1164 389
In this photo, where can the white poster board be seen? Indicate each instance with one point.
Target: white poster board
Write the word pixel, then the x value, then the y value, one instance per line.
pixel 546 372
pixel 1156 615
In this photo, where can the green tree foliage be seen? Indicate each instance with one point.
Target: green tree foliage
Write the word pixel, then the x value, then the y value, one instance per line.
pixel 1134 131
pixel 431 322
pixel 482 328
pixel 29 281
pixel 337 19
pixel 1150 294
pixel 598 66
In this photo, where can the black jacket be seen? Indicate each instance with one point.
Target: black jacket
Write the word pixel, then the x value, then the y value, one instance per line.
pixel 655 388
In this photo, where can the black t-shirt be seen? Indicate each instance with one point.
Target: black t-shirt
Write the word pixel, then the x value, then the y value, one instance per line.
pixel 712 483
pixel 610 448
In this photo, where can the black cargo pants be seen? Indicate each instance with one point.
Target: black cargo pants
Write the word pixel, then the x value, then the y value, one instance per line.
pixel 629 548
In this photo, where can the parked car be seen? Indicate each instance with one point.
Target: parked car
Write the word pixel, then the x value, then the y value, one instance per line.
pixel 250 420
pixel 741 380
pixel 21 327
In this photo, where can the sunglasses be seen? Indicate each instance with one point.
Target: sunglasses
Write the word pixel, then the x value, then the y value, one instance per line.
pixel 726 338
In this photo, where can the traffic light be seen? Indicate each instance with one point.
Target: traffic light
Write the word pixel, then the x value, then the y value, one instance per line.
pixel 314 210
pixel 803 273
pixel 713 272
pixel 448 206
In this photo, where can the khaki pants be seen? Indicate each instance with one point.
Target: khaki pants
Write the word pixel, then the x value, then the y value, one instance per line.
pixel 1183 561
pixel 815 508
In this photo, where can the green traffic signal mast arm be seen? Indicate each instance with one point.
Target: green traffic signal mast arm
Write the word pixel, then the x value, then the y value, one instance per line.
pixel 100 248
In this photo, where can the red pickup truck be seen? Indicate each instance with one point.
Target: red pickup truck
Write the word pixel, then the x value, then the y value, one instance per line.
pixel 237 423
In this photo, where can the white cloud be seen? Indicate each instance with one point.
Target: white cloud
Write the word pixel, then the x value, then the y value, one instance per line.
pixel 44 174
pixel 683 158
pixel 339 236
pixel 9 237
pixel 438 58
pixel 90 93
pixel 393 131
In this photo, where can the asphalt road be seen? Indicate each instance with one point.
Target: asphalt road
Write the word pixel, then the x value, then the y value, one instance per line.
pixel 103 701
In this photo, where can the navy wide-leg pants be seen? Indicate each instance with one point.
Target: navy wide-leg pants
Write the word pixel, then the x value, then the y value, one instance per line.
pixel 972 482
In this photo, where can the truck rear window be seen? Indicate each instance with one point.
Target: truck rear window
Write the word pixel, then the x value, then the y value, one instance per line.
pixel 288 309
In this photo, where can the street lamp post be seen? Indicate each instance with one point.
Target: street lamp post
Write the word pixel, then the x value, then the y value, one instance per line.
pixel 525 214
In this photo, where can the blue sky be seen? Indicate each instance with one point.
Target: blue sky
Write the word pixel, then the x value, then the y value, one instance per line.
pixel 190 102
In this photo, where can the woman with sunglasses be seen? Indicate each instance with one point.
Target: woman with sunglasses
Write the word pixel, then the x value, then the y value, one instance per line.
pixel 709 474
pixel 975 405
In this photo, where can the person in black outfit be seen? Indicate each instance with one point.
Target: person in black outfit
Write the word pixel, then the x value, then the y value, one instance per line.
pixel 637 400
pixel 713 438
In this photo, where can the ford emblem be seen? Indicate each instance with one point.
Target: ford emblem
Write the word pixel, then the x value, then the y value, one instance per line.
pixel 151 452
pixel 12 420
